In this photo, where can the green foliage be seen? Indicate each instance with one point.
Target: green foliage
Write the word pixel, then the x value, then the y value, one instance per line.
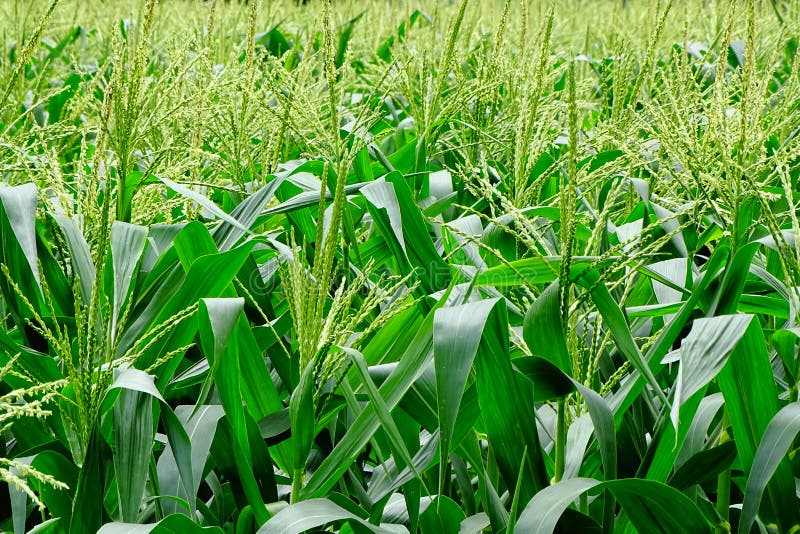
pixel 390 267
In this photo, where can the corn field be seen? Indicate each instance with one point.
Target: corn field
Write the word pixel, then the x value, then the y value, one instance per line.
pixel 409 266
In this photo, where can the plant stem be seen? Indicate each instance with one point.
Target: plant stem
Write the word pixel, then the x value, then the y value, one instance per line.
pixel 121 190
pixel 724 481
pixel 156 490
pixel 297 484
pixel 561 440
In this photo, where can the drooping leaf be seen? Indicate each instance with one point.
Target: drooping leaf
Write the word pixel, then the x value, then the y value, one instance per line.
pixel 543 331
pixel 541 514
pixel 173 524
pixel 533 271
pixel 80 256
pixel 651 507
pixel 217 320
pixel 307 515
pixel 549 382
pixel 203 201
pixel 227 234
pixel 19 213
pixel 400 221
pixel 442 516
pixel 704 466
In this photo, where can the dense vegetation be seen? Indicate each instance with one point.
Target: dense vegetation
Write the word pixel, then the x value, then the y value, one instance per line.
pixel 410 266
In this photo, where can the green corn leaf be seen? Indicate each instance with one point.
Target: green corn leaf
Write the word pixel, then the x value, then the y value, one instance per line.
pixel 392 206
pixel 479 331
pixel 301 415
pixel 704 466
pixel 80 255
pixel 771 453
pixel 549 382
pixel 135 380
pixel 415 358
pixel 238 465
pixel 751 399
pixel 87 505
pixel 442 516
pixel 704 352
pixel 542 513
pixel 620 331
pixel 127 245
pixel 133 443
pixel 543 331
pixel 58 501
pixel 173 524
pixel 227 235
pixel 19 221
pixel 201 426
pixel 671 332
pixel 651 507
pixel 218 318
pixel 205 203
pixel 474 524
pixel 381 410
pixel 208 277
pixel 306 515
pixel 534 271
pixel 453 355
